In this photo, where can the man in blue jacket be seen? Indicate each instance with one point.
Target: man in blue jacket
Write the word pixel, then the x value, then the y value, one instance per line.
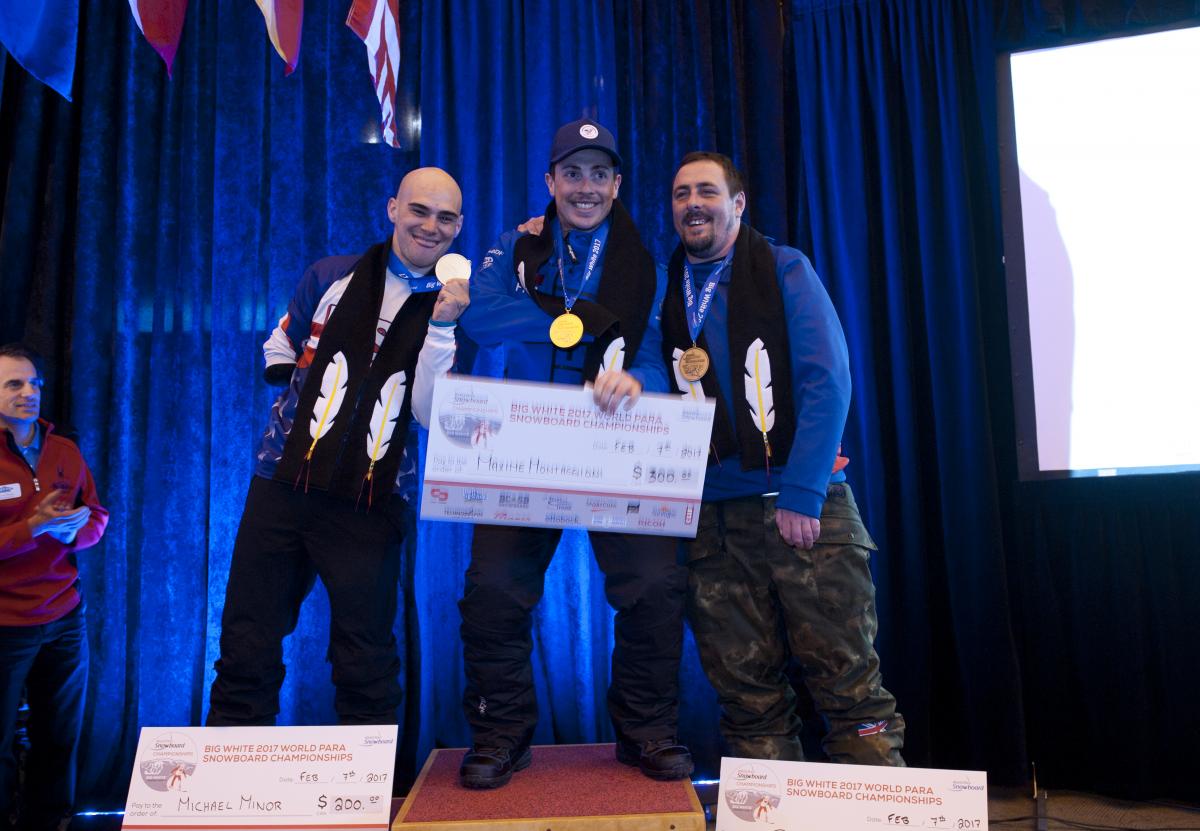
pixel 780 565
pixel 577 303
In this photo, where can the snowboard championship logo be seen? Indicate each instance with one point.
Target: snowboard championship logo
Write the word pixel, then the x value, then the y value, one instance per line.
pixel 170 762
pixel 754 794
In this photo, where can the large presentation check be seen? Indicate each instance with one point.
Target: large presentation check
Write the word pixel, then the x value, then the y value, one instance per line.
pixel 519 453
pixel 817 796
pixel 283 778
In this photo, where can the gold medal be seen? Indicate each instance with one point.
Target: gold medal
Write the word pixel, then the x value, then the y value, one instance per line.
pixel 693 363
pixel 567 330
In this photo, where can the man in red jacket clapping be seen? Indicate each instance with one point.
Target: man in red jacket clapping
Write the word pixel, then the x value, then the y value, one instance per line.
pixel 48 511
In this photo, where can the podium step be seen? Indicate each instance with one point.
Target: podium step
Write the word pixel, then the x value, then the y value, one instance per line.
pixel 580 787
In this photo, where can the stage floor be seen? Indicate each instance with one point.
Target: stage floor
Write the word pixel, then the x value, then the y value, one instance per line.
pixel 567 787
pixel 1067 809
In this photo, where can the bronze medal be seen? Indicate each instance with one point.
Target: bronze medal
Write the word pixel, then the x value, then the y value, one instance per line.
pixel 567 330
pixel 693 363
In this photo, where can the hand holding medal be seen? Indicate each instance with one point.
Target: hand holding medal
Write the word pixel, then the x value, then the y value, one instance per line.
pixel 454 273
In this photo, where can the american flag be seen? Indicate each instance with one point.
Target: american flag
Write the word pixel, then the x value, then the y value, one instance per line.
pixel 377 24
pixel 872 728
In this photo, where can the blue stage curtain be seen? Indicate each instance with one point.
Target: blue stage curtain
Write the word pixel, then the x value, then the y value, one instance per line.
pixel 152 232
pixel 900 206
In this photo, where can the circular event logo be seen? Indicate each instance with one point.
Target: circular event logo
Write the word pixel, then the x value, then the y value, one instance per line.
pixel 471 418
pixel 754 794
pixel 589 131
pixel 170 761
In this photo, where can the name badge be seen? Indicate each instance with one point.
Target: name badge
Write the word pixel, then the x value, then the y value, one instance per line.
pixel 12 491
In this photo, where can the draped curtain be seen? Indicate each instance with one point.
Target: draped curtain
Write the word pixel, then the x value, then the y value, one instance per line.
pixel 152 231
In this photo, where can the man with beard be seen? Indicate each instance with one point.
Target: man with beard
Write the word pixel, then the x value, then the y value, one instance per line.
pixel 779 568
pixel 576 303
pixel 361 344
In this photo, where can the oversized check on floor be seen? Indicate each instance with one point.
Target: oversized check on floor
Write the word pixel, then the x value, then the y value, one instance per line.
pixel 281 778
pixel 519 453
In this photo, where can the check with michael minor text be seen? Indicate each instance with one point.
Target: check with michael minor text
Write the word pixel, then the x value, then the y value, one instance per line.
pixel 277 778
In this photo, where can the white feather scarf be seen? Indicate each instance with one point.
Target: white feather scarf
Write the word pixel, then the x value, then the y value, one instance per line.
pixel 758 388
pixel 614 356
pixel 333 392
pixel 383 418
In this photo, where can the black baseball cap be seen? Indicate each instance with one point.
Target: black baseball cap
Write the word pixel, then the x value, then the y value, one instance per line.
pixel 583 134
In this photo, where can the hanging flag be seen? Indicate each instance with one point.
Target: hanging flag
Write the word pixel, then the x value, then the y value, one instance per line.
pixel 284 19
pixel 377 24
pixel 161 21
pixel 42 35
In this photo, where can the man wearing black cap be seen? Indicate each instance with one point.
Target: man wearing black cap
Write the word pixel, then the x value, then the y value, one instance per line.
pixel 577 303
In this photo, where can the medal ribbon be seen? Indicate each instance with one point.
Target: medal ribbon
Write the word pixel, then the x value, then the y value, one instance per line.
pixel 415 284
pixel 696 312
pixel 598 240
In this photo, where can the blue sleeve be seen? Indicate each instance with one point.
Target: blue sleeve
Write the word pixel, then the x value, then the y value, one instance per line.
pixel 648 366
pixel 500 309
pixel 820 383
pixel 302 306
pixel 316 280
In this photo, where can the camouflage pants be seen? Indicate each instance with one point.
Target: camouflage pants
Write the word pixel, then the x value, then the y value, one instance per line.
pixel 755 603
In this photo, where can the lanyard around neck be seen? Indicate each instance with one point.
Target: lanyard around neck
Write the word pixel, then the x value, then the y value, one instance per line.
pixel 696 312
pixel 598 241
pixel 416 284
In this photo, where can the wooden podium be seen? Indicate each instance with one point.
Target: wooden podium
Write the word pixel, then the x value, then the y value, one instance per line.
pixel 579 787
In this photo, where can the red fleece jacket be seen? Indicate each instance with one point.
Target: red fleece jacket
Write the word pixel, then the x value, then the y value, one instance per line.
pixel 38 576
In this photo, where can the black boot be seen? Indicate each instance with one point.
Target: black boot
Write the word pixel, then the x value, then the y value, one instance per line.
pixel 662 759
pixel 491 767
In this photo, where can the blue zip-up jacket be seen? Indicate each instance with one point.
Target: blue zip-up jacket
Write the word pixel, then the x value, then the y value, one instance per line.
pixel 820 388
pixel 501 313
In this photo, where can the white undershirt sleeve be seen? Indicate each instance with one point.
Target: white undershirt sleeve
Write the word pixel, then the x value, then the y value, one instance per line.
pixel 434 361
pixel 278 347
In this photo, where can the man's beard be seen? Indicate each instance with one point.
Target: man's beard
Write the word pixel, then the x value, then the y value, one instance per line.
pixel 702 246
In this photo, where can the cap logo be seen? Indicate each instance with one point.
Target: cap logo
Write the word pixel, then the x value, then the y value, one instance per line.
pixel 589 131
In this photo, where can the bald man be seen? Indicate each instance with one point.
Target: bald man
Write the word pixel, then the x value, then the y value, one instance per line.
pixel 361 344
